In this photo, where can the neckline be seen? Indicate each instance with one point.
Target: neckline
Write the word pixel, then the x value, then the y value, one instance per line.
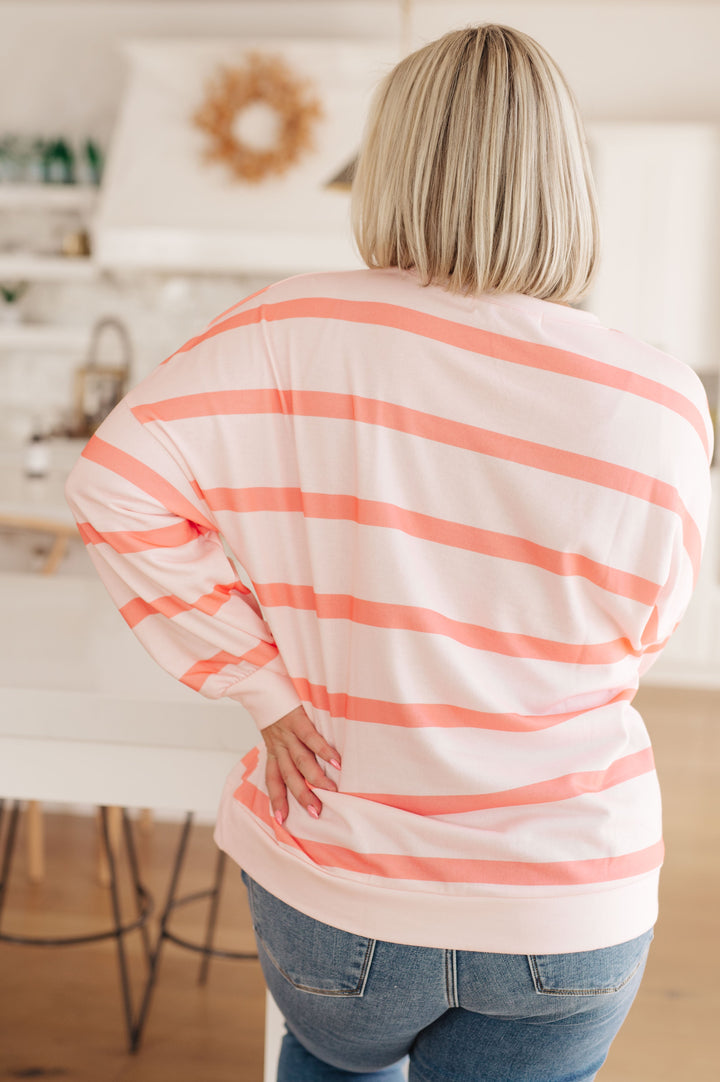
pixel 541 308
pixel 534 306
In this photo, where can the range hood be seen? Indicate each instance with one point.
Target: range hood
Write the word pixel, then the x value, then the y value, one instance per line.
pixel 163 207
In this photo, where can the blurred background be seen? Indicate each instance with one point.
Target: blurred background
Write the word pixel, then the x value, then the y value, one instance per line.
pixel 128 221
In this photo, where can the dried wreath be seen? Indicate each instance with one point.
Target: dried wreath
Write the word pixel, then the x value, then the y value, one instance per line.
pixel 269 80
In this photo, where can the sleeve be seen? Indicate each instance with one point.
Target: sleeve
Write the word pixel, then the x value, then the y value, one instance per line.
pixel 162 560
pixel 692 491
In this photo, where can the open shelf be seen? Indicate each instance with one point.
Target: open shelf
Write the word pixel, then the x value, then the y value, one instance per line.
pixel 47 268
pixel 43 336
pixel 50 196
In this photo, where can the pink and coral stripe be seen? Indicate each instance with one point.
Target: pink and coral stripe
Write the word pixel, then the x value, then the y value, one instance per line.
pixel 465 525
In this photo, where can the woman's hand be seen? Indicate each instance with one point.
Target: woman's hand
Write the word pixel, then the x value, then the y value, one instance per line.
pixel 292 744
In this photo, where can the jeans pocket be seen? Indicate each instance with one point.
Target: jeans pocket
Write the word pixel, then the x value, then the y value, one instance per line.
pixel 589 973
pixel 312 956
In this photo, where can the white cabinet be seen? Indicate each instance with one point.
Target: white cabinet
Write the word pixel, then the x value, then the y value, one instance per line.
pixel 659 279
pixel 659 272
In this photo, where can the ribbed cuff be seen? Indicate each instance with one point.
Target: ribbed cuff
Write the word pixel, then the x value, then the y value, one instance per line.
pixel 266 695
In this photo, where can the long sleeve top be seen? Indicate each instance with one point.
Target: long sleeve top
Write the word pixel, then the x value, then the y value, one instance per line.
pixel 457 530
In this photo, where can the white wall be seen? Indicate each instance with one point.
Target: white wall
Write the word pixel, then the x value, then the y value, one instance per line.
pixel 60 68
pixel 626 59
pixel 61 73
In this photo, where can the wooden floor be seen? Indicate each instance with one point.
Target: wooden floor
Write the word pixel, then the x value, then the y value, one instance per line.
pixel 60 1012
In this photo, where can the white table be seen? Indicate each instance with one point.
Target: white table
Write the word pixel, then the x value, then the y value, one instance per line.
pixel 86 716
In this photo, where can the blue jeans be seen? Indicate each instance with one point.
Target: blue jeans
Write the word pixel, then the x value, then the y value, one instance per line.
pixel 356 1008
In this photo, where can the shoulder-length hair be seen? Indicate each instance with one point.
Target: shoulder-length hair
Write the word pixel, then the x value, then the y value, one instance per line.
pixel 474 170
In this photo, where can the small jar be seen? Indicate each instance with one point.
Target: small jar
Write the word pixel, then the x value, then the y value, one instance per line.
pixel 37 456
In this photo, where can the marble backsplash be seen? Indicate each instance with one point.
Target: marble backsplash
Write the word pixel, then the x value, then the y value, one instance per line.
pixel 37 384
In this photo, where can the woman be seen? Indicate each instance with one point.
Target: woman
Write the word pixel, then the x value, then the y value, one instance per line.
pixel 470 517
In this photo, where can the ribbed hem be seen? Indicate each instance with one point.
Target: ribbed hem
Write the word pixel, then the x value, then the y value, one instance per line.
pixel 505 925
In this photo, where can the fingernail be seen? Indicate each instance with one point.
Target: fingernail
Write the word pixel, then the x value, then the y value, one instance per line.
pixel 312 810
pixel 279 818
pixel 335 763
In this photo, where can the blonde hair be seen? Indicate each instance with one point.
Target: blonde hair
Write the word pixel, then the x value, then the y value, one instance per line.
pixel 474 170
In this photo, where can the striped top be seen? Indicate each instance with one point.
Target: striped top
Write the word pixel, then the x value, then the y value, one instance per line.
pixel 457 530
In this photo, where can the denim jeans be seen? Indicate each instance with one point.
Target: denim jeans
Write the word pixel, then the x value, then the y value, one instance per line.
pixel 356 1008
